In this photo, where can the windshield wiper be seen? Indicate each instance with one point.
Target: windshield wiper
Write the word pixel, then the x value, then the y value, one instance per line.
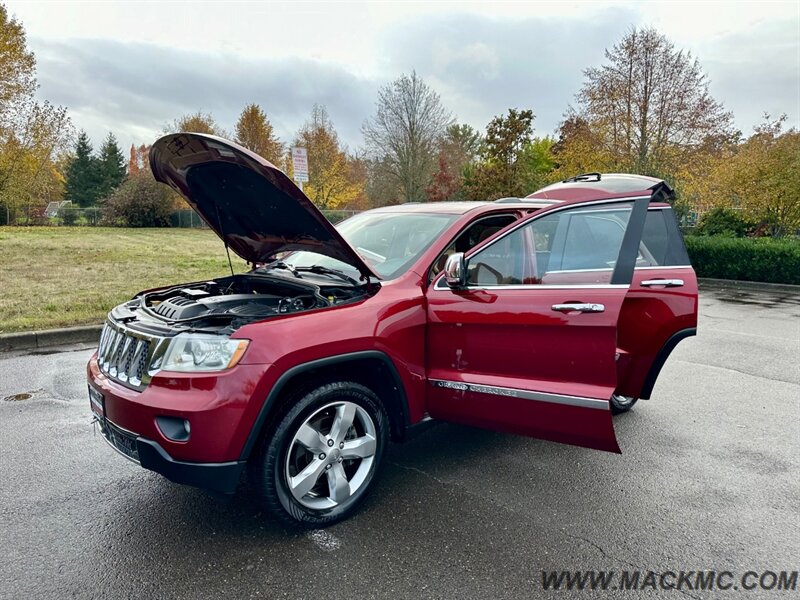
pixel 279 264
pixel 319 269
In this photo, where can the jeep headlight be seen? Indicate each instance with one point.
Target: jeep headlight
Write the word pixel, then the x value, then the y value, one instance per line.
pixel 202 352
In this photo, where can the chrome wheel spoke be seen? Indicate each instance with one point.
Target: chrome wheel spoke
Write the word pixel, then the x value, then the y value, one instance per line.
pixel 345 413
pixel 337 435
pixel 362 447
pixel 311 439
pixel 305 480
pixel 338 484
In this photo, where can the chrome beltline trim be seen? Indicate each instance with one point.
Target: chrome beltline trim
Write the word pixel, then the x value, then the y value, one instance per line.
pixel 663 267
pixel 442 286
pixel 478 388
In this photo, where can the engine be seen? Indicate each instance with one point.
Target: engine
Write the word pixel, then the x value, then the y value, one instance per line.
pixel 191 304
pixel 231 302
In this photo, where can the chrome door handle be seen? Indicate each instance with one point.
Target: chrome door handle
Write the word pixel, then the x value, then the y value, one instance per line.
pixel 664 282
pixel 586 308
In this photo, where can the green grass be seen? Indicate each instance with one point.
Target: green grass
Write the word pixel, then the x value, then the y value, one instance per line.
pixel 60 276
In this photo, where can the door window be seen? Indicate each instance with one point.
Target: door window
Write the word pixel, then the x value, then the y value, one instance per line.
pixel 662 244
pixel 573 246
pixel 472 236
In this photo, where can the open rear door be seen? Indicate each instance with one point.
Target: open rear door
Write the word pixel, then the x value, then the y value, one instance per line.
pixel 528 345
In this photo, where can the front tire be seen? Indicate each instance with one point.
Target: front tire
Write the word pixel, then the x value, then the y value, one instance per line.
pixel 318 463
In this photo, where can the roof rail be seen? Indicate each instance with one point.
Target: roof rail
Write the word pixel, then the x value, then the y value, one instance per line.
pixel 508 200
pixel 583 177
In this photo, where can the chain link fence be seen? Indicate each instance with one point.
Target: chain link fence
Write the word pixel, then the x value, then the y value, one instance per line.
pixel 91 217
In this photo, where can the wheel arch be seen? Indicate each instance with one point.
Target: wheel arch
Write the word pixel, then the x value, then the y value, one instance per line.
pixel 371 368
pixel 661 358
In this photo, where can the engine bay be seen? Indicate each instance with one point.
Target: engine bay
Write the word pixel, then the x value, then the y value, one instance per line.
pixel 228 303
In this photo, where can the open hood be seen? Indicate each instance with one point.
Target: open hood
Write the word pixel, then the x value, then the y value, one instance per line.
pixel 250 203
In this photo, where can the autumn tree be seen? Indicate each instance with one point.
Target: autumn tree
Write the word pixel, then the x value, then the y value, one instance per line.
pixel 139 161
pixel 32 133
pixel 762 178
pixel 358 176
pixel 30 158
pixel 17 71
pixel 198 122
pixel 512 161
pixel 381 188
pixel 579 148
pixel 255 132
pixel 133 162
pixel 536 164
pixel 458 148
pixel 649 105
pixel 403 135
pixel 329 175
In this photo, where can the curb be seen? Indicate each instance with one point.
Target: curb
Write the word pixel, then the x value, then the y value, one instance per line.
pixel 749 285
pixel 30 340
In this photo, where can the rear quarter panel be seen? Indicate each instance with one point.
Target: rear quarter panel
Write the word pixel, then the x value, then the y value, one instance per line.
pixel 649 317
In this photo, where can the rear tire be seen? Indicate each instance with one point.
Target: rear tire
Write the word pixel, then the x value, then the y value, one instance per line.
pixel 621 404
pixel 317 464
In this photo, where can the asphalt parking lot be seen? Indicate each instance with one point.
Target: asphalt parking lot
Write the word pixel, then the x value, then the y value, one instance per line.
pixel 709 478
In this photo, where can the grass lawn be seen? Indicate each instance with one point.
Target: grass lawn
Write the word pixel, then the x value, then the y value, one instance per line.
pixel 59 276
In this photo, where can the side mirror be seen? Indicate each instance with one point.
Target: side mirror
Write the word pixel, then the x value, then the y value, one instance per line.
pixel 455 271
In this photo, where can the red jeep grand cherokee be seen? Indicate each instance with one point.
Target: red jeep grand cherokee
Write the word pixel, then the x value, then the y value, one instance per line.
pixel 539 316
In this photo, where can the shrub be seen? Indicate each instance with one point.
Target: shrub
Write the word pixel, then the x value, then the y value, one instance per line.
pixel 69 216
pixel 724 221
pixel 764 259
pixel 139 202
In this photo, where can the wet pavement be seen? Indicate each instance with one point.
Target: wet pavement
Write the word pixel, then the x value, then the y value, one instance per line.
pixel 709 479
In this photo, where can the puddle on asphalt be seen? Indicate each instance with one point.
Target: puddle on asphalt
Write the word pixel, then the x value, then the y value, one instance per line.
pixel 21 396
pixel 765 299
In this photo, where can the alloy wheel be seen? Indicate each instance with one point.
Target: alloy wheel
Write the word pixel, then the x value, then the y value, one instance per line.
pixel 331 455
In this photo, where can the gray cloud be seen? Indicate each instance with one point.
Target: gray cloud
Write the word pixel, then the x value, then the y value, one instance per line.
pixel 136 89
pixel 756 71
pixel 487 65
pixel 480 66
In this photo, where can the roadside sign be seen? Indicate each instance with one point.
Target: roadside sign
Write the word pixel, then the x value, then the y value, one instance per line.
pixel 300 164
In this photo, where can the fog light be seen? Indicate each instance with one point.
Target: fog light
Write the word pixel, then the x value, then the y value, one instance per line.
pixel 174 428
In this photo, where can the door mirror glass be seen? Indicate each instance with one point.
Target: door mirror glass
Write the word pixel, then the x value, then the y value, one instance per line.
pixel 455 271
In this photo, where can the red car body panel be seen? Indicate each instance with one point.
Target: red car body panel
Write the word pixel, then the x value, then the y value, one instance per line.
pixel 650 316
pixel 511 339
pixel 500 359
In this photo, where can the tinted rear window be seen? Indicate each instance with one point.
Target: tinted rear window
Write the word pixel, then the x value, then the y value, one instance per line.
pixel 662 239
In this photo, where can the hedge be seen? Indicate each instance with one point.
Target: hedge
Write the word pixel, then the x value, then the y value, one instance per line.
pixel 747 259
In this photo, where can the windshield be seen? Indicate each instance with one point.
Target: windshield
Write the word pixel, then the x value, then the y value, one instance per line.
pixel 388 242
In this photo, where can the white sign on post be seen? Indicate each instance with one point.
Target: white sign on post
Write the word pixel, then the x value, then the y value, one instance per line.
pixel 300 164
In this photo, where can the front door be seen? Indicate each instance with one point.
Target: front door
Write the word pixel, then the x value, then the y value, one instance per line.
pixel 529 345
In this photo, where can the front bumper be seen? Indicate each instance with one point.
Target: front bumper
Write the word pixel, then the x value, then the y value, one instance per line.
pixel 219 407
pixel 222 478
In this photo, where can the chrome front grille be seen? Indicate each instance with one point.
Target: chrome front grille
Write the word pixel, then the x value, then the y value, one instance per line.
pixel 125 355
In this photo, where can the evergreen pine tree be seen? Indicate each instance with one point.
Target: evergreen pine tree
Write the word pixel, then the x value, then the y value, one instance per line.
pixel 81 186
pixel 111 167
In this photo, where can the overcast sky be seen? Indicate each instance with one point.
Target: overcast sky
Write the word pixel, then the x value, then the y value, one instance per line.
pixel 133 67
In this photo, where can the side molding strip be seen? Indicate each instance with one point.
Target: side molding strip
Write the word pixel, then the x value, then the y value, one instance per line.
pixel 524 394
